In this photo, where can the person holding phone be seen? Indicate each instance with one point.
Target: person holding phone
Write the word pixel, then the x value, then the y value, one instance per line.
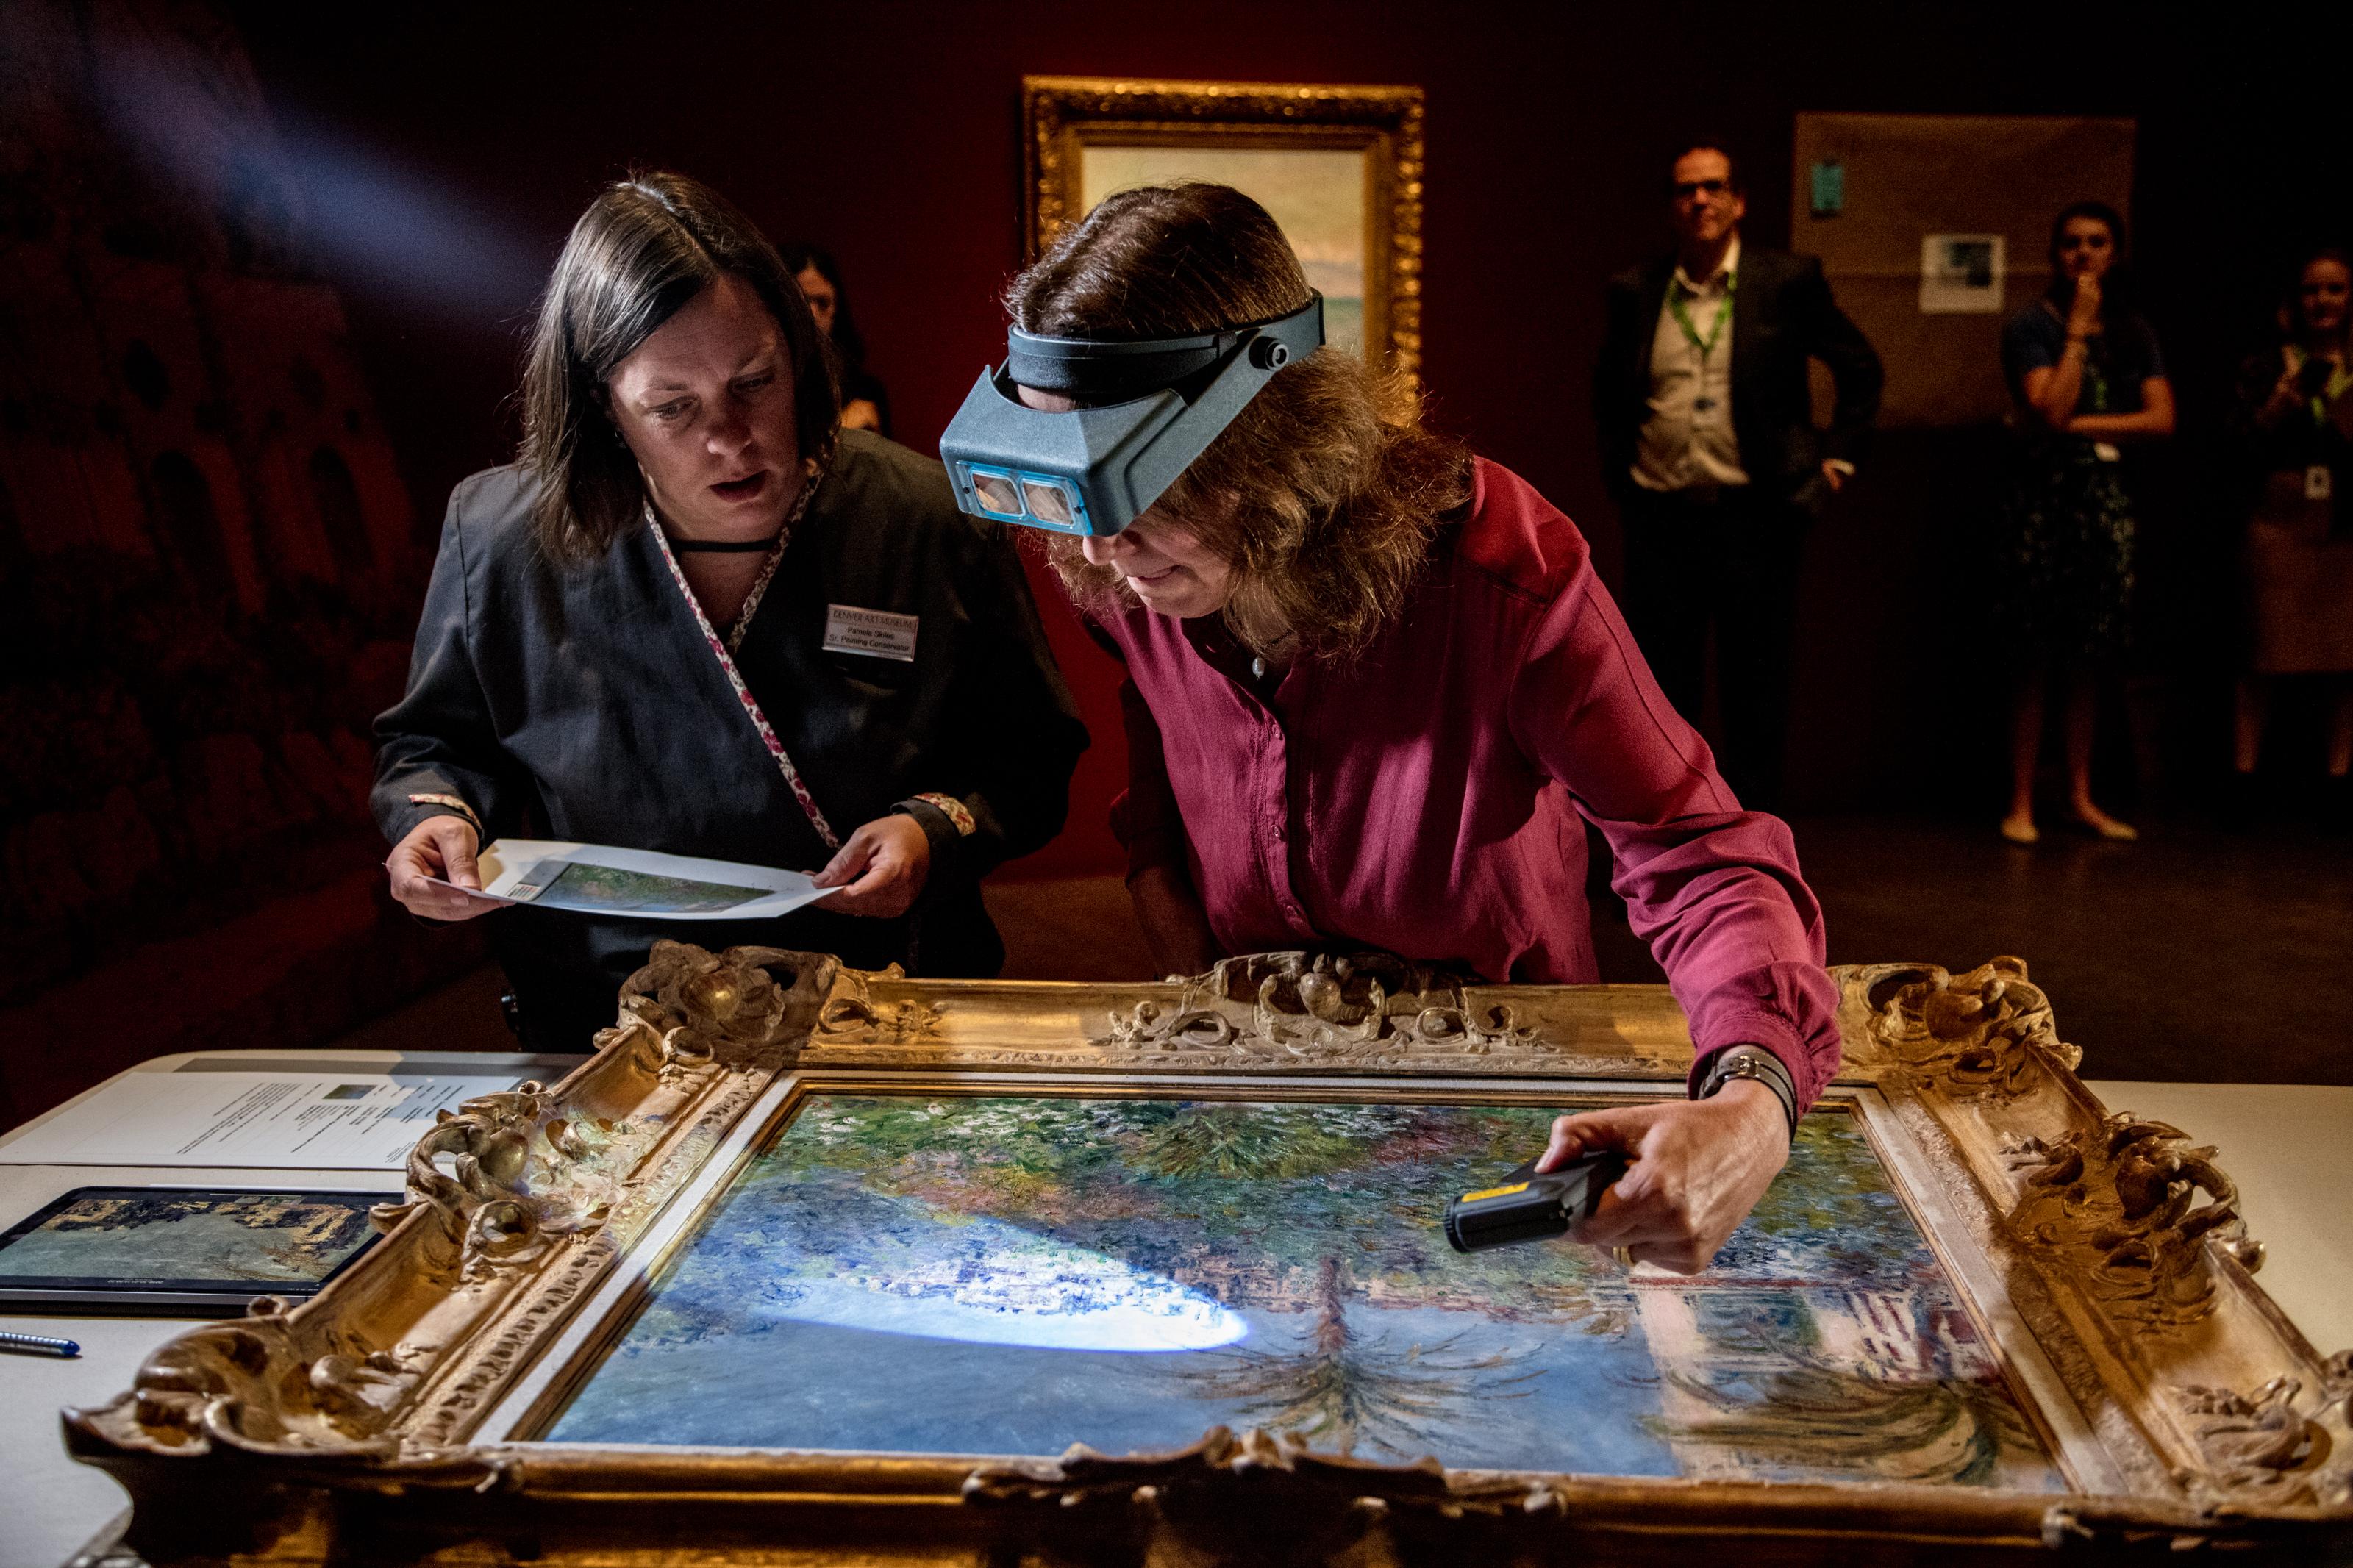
pixel 2088 384
pixel 2293 440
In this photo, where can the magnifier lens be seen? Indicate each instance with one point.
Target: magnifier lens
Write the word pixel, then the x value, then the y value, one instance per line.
pixel 1047 502
pixel 997 493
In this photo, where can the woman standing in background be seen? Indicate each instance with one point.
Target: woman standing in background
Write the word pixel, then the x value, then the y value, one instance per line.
pixel 2293 426
pixel 865 403
pixel 2087 379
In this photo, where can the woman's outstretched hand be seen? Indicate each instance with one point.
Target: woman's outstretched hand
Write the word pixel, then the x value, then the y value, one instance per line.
pixel 880 871
pixel 1695 1168
pixel 442 846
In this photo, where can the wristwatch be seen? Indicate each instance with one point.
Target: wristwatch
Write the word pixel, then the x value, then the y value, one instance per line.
pixel 1756 1063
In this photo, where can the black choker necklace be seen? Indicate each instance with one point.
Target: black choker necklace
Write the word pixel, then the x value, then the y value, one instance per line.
pixel 724 546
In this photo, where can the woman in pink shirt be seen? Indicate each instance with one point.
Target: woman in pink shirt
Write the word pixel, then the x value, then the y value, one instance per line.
pixel 1376 690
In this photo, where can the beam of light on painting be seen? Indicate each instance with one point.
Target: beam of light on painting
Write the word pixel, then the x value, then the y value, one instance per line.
pixel 1007 1286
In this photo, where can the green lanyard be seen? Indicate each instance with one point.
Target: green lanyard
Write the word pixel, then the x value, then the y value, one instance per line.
pixel 1682 316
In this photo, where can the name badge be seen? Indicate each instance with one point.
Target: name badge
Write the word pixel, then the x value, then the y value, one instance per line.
pixel 877 634
pixel 2319 482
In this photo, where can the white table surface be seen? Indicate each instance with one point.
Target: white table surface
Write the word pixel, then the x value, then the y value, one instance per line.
pixel 2285 1145
pixel 52 1505
pixel 2289 1147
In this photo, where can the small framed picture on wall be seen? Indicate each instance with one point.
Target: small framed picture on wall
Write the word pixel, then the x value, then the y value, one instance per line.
pixel 1339 168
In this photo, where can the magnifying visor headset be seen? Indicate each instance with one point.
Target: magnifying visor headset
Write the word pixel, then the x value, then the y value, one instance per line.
pixel 1146 410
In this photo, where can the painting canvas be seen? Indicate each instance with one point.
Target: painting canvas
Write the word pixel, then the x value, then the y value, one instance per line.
pixel 1315 194
pixel 1005 1274
pixel 1338 166
pixel 811 1259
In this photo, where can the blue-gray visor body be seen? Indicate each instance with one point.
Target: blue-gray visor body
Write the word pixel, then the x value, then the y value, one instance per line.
pixel 1145 410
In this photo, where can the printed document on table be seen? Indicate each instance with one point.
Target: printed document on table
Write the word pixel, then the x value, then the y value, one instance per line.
pixel 598 879
pixel 280 1121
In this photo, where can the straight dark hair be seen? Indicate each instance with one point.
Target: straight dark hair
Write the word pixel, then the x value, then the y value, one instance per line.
pixel 644 249
pixel 848 343
pixel 2117 286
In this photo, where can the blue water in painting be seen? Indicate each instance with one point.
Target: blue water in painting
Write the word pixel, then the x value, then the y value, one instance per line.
pixel 918 1395
pixel 1007 1276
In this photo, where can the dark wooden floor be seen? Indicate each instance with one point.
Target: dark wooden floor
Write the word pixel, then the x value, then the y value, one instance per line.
pixel 2195 955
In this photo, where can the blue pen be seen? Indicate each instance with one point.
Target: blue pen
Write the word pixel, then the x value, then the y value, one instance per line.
pixel 39 1344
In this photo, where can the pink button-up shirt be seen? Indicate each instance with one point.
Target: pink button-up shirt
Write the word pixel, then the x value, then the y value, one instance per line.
pixel 1428 796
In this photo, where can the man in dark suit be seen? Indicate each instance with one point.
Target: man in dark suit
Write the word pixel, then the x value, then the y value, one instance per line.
pixel 1708 438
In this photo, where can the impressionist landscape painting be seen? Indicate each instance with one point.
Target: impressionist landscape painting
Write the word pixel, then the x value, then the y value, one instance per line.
pixel 1007 1275
pixel 1315 195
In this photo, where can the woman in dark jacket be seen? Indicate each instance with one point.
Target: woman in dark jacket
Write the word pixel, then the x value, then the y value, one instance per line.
pixel 699 618
pixel 2088 382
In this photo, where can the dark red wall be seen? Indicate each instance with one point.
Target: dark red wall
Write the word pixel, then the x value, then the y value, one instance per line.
pixel 890 132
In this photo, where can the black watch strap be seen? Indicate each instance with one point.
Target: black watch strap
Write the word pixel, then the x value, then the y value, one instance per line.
pixel 1756 1063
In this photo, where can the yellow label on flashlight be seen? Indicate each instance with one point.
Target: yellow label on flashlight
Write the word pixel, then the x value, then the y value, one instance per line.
pixel 1494 1192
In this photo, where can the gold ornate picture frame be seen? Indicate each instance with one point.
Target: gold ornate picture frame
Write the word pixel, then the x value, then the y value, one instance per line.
pixel 2099 1264
pixel 1339 167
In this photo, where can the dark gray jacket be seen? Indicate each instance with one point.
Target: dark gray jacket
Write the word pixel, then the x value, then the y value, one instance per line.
pixel 580 702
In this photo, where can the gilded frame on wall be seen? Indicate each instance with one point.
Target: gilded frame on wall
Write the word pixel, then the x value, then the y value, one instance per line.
pixel 398 1416
pixel 1176 128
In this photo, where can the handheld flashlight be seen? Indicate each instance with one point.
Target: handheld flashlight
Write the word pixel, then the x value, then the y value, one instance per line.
pixel 1530 1207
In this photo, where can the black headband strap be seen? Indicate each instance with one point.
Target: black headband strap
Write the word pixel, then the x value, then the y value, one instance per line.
pixel 1112 370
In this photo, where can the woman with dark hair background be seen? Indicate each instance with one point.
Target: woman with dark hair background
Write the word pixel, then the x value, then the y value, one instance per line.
pixel 1376 690
pixel 865 405
pixel 2294 425
pixel 2084 371
pixel 700 617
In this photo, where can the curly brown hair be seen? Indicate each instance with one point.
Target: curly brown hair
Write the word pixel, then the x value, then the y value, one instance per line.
pixel 646 247
pixel 1324 491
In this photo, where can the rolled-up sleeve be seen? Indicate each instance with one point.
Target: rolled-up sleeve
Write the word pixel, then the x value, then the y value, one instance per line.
pixel 1715 890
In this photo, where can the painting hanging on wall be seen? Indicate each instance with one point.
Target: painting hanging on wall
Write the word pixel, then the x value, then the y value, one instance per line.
pixel 1338 168
pixel 814 1262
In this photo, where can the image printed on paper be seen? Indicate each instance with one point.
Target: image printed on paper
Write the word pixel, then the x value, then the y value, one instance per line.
pixel 125 1234
pixel 609 889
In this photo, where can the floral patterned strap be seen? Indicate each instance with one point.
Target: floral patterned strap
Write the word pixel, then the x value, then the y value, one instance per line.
pixel 453 804
pixel 723 650
pixel 949 806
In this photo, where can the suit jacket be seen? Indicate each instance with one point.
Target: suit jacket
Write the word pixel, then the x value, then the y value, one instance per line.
pixel 1782 316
